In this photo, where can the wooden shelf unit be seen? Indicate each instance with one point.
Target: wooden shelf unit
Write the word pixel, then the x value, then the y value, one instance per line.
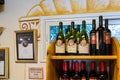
pixel 53 61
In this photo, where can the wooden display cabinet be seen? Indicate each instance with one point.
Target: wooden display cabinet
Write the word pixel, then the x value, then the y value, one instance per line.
pixel 53 62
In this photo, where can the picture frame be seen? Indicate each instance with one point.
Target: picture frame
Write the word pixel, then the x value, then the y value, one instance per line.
pixel 4 63
pixel 35 73
pixel 26 46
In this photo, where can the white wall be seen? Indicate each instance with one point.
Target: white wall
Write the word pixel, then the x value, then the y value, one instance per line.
pixel 13 10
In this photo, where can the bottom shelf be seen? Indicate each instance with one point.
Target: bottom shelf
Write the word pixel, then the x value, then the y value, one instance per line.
pixel 55 66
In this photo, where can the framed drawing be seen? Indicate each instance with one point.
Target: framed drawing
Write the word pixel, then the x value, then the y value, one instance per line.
pixel 26 45
pixel 4 62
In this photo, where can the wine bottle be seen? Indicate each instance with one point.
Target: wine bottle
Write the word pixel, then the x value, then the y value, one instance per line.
pixel 93 72
pixel 103 75
pixel 83 45
pixel 76 75
pixel 93 38
pixel 65 75
pixel 107 38
pixel 67 37
pixel 72 46
pixel 100 38
pixel 77 36
pixel 60 43
pixel 72 69
pixel 83 72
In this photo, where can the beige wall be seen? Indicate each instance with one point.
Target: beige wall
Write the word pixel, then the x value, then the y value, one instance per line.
pixel 13 10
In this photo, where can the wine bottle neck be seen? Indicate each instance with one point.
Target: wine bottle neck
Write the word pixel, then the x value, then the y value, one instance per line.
pixel 102 66
pixel 73 66
pixel 65 66
pixel 82 65
pixel 76 66
pixel 93 66
pixel 93 24
pixel 106 23
pixel 100 21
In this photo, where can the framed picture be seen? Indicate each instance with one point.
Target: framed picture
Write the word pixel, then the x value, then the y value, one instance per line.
pixel 35 73
pixel 4 64
pixel 26 45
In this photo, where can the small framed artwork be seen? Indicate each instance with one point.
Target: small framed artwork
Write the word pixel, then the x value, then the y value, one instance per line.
pixel 26 47
pixel 35 73
pixel 4 63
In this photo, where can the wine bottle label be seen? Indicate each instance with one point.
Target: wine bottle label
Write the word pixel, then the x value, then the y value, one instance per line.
pixel 60 47
pixel 83 47
pixel 107 38
pixel 97 42
pixel 71 47
pixel 93 38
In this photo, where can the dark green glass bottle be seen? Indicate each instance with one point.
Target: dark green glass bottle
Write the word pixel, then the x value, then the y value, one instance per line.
pixel 67 37
pixel 84 45
pixel 77 37
pixel 72 46
pixel 60 42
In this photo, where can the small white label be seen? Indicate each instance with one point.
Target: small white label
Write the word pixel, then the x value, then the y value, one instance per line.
pixel 60 49
pixel 72 48
pixel 83 49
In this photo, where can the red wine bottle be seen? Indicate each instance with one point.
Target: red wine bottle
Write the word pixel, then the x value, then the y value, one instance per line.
pixel 107 38
pixel 93 72
pixel 76 75
pixel 93 38
pixel 65 75
pixel 100 38
pixel 103 75
pixel 83 72
pixel 72 70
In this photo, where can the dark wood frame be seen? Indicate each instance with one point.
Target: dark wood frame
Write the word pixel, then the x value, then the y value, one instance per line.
pixel 25 37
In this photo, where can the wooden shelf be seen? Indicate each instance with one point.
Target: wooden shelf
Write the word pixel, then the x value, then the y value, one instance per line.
pixel 111 57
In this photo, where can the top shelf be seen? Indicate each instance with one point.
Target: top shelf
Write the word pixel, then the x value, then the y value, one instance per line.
pixel 115 53
pixel 110 57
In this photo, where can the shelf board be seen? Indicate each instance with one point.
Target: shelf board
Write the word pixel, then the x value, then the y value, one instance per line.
pixel 111 57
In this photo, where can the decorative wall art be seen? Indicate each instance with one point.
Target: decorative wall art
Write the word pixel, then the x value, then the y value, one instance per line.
pixel 26 45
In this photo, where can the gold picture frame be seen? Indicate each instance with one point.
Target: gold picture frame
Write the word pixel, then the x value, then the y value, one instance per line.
pixel 26 46
pixel 4 62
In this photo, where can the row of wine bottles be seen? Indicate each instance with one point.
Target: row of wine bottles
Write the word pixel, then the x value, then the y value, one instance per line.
pixel 83 74
pixel 76 42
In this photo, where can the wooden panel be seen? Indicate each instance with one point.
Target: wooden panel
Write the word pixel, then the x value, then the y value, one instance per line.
pixel 115 51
